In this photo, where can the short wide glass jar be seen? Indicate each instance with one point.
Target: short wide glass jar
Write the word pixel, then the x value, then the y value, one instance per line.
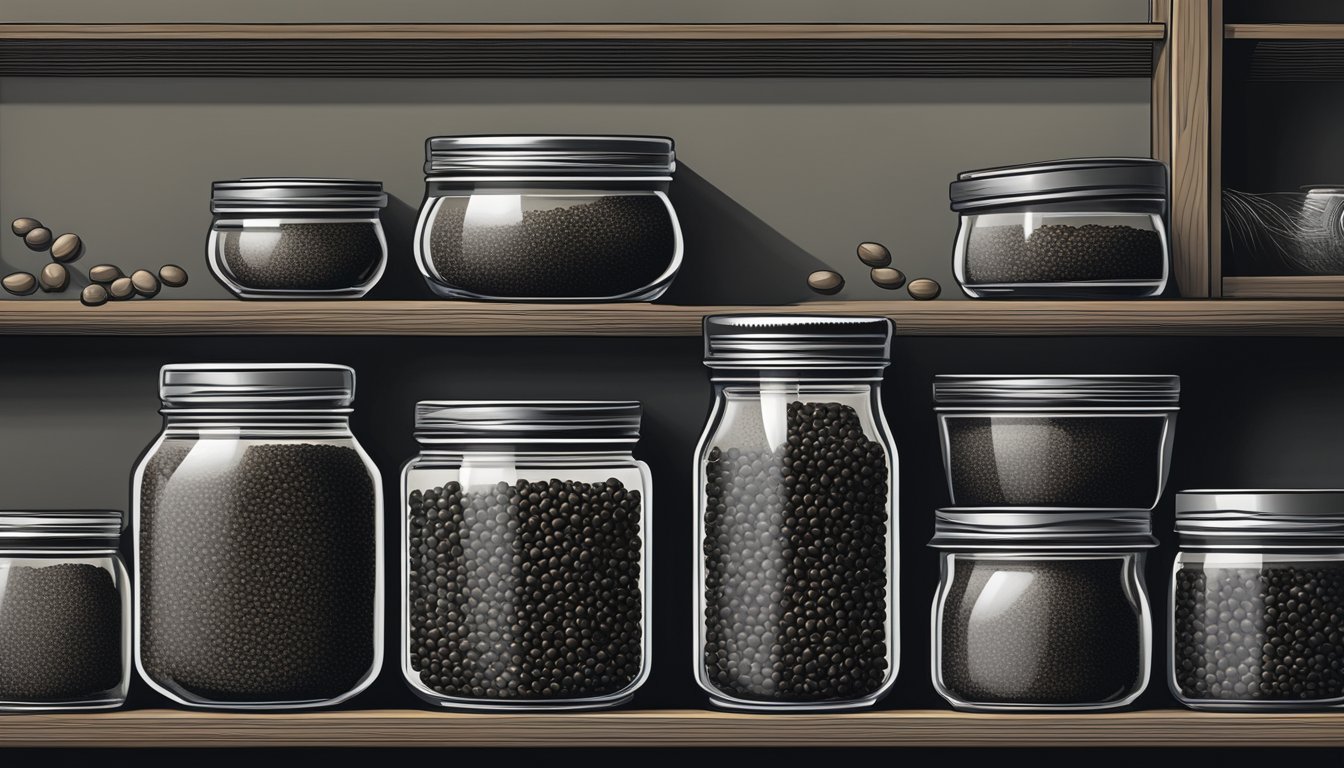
pixel 559 218
pixel 65 611
pixel 526 553
pixel 1257 600
pixel 276 238
pixel 796 524
pixel 1041 610
pixel 258 526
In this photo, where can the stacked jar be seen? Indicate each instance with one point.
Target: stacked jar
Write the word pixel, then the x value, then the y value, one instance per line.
pixel 1042 603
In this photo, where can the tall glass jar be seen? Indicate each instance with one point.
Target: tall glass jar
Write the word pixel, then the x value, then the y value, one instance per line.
pixel 795 482
pixel 1257 600
pixel 258 526
pixel 526 555
pixel 65 611
pixel 1041 610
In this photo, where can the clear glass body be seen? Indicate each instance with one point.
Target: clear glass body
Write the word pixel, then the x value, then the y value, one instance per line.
pixel 526 577
pixel 1041 631
pixel 556 240
pixel 796 546
pixel 1257 630
pixel 259 570
pixel 335 255
pixel 1060 254
pixel 65 629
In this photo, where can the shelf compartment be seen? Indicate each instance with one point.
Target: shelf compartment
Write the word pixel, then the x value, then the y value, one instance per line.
pixel 580 50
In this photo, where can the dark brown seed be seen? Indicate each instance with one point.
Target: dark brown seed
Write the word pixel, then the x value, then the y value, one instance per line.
pixel 24 225
pixel 825 281
pixel 121 288
pixel 144 282
pixel 888 278
pixel 924 289
pixel 54 277
pixel 93 295
pixel 20 283
pixel 38 239
pixel 874 254
pixel 104 273
pixel 173 276
pixel 67 247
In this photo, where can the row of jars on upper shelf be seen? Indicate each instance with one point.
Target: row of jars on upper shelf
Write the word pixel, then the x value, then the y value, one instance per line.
pixel 525 578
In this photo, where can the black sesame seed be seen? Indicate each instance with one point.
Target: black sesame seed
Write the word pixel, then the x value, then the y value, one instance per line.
pixel 302 257
pixel 1063 253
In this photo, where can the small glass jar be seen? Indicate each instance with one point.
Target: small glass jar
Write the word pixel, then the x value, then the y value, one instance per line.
pixel 559 218
pixel 277 238
pixel 526 554
pixel 65 611
pixel 1041 610
pixel 258 526
pixel 1085 441
pixel 1084 228
pixel 1257 600
pixel 796 524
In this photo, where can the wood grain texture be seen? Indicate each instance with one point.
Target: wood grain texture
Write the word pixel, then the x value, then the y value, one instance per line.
pixel 1308 287
pixel 161 317
pixel 1283 31
pixel 1189 43
pixel 671 728
pixel 1215 223
pixel 1159 11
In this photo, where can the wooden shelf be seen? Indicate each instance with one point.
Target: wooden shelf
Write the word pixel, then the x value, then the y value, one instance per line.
pixel 1309 287
pixel 1283 31
pixel 581 50
pixel 670 728
pixel 160 317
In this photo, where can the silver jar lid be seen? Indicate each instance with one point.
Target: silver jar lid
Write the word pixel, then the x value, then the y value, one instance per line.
pixel 514 421
pixel 1085 390
pixel 253 385
pixel 295 194
pixel 1077 179
pixel 19 528
pixel 1260 519
pixel 533 155
pixel 1027 528
pixel 753 341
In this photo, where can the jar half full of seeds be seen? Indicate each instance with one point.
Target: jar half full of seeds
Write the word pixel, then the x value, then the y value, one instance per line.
pixel 258 528
pixel 795 481
pixel 526 555
pixel 65 611
pixel 1257 600
pixel 1041 610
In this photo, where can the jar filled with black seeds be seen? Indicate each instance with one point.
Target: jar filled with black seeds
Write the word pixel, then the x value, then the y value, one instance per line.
pixel 1081 228
pixel 526 554
pixel 558 218
pixel 1257 600
pixel 1074 441
pixel 1041 610
pixel 65 611
pixel 796 515
pixel 258 525
pixel 275 238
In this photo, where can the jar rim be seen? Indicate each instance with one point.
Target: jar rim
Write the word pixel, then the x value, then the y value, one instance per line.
pixel 1059 390
pixel 38 529
pixel 1083 178
pixel 797 341
pixel 552 154
pixel 1260 519
pixel 1018 528
pixel 299 386
pixel 528 421
pixel 259 194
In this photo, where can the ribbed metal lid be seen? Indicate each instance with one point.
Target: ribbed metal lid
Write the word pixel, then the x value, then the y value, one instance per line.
pixel 252 385
pixel 281 194
pixel 1260 519
pixel 1074 179
pixel 527 420
pixel 1084 390
pixel 746 341
pixel 560 155
pixel 1030 528
pixel 55 527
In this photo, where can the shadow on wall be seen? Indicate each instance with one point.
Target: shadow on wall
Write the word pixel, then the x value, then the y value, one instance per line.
pixel 402 278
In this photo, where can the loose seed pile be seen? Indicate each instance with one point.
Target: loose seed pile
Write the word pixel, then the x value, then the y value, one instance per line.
pixel 591 247
pixel 877 257
pixel 257 571
pixel 1067 635
pixel 1093 461
pixel 526 591
pixel 302 257
pixel 106 281
pixel 796 562
pixel 1271 634
pixel 60 633
pixel 1063 253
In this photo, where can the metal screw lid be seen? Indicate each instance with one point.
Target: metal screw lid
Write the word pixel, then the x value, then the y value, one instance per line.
pixel 55 527
pixel 753 341
pixel 1260 519
pixel 1048 390
pixel 1020 528
pixel 252 385
pixel 295 194
pixel 546 155
pixel 1085 178
pixel 512 421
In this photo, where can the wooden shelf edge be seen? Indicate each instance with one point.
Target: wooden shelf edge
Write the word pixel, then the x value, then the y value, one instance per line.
pixel 1305 287
pixel 1283 31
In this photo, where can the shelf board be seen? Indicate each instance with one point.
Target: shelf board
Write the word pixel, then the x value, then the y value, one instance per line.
pixel 160 317
pixel 1309 287
pixel 580 50
pixel 670 728
pixel 1283 31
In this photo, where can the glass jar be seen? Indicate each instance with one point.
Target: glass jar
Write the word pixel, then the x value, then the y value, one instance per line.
pixel 258 526
pixel 1041 609
pixel 1083 228
pixel 275 238
pixel 65 611
pixel 1257 600
pixel 1085 441
pixel 796 525
pixel 520 218
pixel 526 555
